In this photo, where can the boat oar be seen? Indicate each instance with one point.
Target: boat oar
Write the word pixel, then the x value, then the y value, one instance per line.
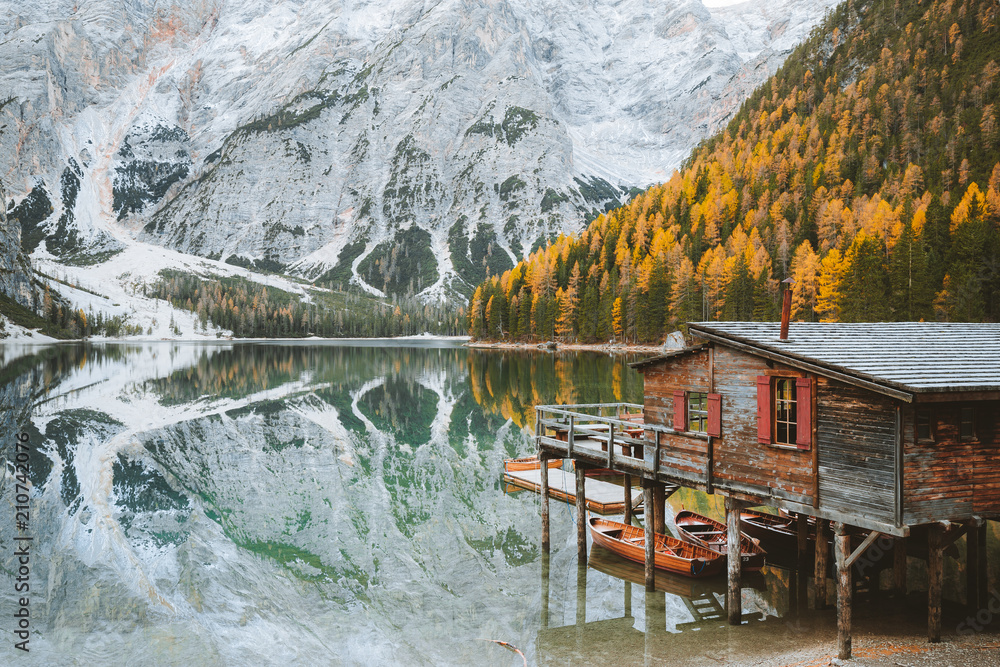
pixel 509 647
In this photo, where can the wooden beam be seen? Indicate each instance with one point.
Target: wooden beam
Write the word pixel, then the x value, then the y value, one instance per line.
pixel 819 572
pixel 647 492
pixel 843 548
pixel 581 596
pixel 734 594
pixel 862 548
pixel 935 572
pixel 581 515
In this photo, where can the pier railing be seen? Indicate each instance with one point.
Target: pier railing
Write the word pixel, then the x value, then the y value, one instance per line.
pixel 595 430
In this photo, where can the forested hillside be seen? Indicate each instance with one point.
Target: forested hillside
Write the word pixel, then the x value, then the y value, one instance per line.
pixel 867 169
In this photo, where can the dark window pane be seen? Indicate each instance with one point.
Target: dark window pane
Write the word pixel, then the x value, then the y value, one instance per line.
pixel 967 423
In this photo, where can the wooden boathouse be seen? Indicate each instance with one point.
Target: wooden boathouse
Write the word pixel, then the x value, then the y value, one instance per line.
pixel 888 428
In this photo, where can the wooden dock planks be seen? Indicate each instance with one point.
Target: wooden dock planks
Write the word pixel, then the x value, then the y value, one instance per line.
pixel 602 497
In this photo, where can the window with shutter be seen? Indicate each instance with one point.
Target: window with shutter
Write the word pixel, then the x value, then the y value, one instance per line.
pixel 680 411
pixel 803 398
pixel 715 415
pixel 764 409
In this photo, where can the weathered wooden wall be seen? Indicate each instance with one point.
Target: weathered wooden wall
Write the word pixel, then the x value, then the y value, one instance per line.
pixel 856 429
pixel 947 478
pixel 741 462
pixel 688 372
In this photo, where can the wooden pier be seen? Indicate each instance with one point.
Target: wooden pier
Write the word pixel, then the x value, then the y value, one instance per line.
pixel 871 432
pixel 602 497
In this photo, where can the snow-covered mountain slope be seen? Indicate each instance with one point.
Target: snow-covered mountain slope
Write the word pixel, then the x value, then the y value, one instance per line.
pixel 401 146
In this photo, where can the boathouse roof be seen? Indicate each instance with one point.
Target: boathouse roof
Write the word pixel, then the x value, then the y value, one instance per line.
pixel 901 358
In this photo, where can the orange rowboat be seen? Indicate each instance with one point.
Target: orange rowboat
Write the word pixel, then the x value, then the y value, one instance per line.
pixel 712 534
pixel 528 463
pixel 670 554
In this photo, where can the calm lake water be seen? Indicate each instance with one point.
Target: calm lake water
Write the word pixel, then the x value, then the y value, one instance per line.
pixel 201 504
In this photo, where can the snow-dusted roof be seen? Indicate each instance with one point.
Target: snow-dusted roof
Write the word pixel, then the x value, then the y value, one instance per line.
pixel 915 357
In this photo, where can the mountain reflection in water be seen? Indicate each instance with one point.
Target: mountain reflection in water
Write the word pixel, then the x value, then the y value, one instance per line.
pixel 309 504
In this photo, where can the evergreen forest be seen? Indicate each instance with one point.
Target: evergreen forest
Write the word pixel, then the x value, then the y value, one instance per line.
pixel 867 170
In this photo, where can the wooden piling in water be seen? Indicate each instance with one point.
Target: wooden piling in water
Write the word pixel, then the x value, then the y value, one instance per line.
pixel 659 508
pixel 820 565
pixel 647 490
pixel 843 548
pixel 984 582
pixel 734 594
pixel 628 499
pixel 581 514
pixel 544 484
pixel 935 572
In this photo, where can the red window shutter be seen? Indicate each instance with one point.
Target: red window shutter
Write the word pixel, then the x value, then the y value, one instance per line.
pixel 764 409
pixel 680 411
pixel 803 407
pixel 715 415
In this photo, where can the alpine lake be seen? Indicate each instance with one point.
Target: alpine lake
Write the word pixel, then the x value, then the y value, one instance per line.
pixel 323 503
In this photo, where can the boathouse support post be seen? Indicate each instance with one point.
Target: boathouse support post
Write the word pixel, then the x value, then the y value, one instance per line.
pixel 935 572
pixel 734 595
pixel 647 492
pixel 581 514
pixel 899 567
pixel 972 566
pixel 984 582
pixel 843 548
pixel 544 484
pixel 545 590
pixel 802 561
pixel 659 508
pixel 628 499
pixel 820 568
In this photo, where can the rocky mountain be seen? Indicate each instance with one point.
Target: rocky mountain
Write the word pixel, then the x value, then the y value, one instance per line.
pixel 402 147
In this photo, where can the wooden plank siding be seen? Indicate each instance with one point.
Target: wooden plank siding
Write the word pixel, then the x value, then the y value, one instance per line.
pixel 740 460
pixel 856 430
pixel 946 478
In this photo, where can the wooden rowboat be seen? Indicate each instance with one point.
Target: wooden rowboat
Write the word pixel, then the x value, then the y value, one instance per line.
pixel 776 534
pixel 528 463
pixel 670 554
pixel 712 534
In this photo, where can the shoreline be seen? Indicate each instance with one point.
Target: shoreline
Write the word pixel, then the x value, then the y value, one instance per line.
pixel 607 348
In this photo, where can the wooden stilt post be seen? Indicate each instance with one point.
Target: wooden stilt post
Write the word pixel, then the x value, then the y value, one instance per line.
pixel 843 548
pixel 581 514
pixel 984 582
pixel 545 590
pixel 972 587
pixel 628 498
pixel 647 490
pixel 581 596
pixel 628 599
pixel 544 483
pixel 820 566
pixel 734 596
pixel 935 567
pixel 802 533
pixel 659 506
pixel 899 567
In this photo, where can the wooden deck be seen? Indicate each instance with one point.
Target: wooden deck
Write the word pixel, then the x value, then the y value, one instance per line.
pixel 602 497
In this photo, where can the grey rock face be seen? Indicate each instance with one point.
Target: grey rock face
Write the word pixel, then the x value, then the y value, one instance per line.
pixel 404 147
pixel 15 270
